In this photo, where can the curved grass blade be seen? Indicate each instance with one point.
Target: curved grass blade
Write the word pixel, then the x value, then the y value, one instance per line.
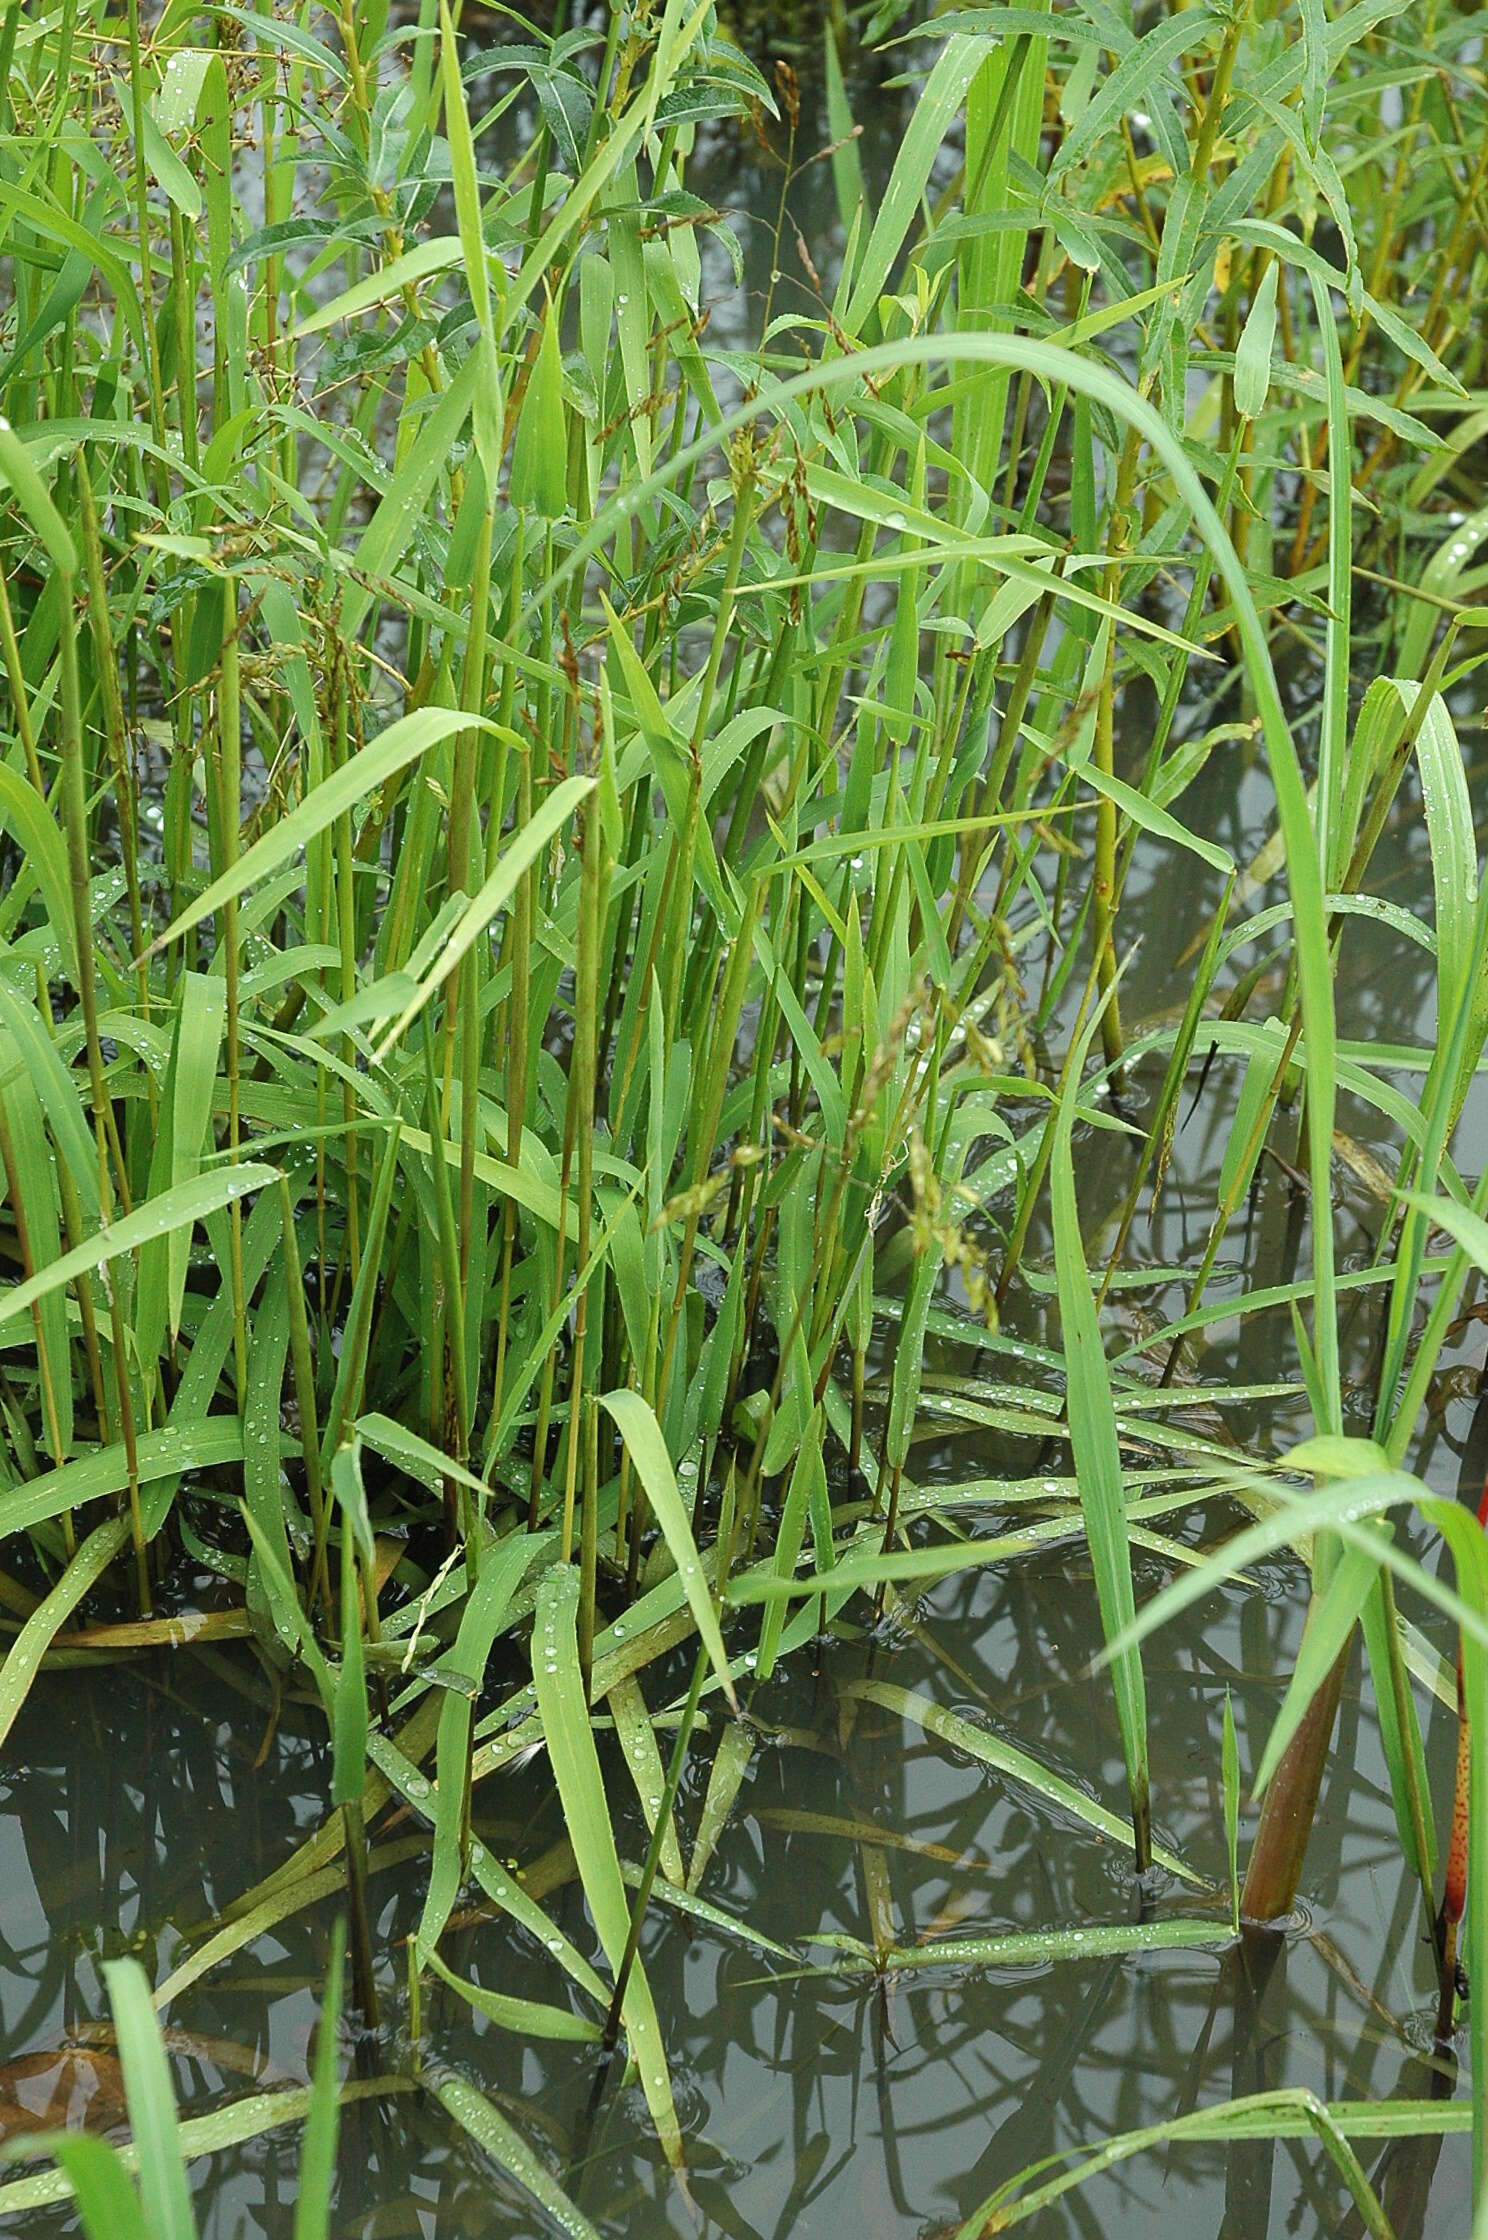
pixel 361 774
pixel 1006 1759
pixel 480 1621
pixel 571 1752
pixel 529 2018
pixel 642 1435
pixel 87 1566
pixel 101 2186
pixel 498 2138
pixel 182 1207
pixel 1292 2112
pixel 232 2126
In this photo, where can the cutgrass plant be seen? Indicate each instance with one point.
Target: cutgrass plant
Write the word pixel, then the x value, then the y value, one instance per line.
pixel 563 908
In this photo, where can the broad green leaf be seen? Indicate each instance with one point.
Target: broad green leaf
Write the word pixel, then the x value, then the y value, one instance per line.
pixel 174 178
pixel 32 497
pixel 528 2018
pixel 101 2186
pixel 29 821
pixel 944 92
pixel 1252 375
pixel 524 849
pixel 421 262
pixel 358 777
pixel 23 1663
pixel 173 1209
pixel 30 1161
pixel 483 2122
pixel 152 2106
pixel 571 1753
pixel 731 1762
pixel 642 1435
pixel 502 1571
pixel 203 1015
pixel 642 1755
pixel 1330 1625
pixel 539 468
pixel 1290 2112
pixel 1041 1948
pixel 349 1715
pixel 806 1475
pixel 1230 1784
pixel 250 2117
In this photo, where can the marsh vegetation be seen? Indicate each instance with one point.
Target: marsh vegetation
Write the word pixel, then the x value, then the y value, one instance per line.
pixel 743 981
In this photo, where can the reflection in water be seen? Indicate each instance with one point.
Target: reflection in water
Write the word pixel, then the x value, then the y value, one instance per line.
pixel 814 2104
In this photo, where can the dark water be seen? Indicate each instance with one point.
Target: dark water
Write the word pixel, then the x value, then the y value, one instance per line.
pixel 132 1807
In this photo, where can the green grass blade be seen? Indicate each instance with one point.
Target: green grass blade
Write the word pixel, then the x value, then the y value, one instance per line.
pixel 152 2105
pixel 1097 1449
pixel 361 775
pixel 642 1435
pixel 500 2139
pixel 571 1752
pixel 528 2018
pixel 480 1622
pixel 20 1668
pixel 312 2220
pixel 101 2186
pixel 1005 1759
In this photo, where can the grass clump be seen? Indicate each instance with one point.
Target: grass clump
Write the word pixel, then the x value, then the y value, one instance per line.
pixel 565 883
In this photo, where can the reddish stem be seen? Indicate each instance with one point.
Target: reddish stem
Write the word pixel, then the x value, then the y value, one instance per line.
pixel 1454 1889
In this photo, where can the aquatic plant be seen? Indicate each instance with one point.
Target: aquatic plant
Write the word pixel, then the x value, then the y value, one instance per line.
pixel 563 920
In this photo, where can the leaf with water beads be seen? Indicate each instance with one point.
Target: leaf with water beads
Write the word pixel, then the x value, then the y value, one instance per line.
pixel 500 2139
pixel 231 2126
pixel 106 2201
pixel 642 1435
pixel 1292 2112
pixel 83 1571
pixel 1047 1948
pixel 643 1756
pixel 152 2107
pixel 181 1207
pixel 571 1753
pixel 1005 1758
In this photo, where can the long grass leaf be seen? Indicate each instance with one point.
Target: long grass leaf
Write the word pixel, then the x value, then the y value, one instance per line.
pixel 571 1752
